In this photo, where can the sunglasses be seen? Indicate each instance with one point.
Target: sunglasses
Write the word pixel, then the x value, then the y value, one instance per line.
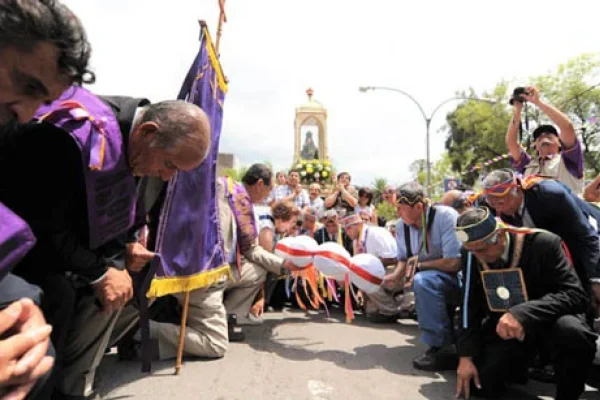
pixel 389 191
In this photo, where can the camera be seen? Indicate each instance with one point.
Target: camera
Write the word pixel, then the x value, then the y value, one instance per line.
pixel 516 96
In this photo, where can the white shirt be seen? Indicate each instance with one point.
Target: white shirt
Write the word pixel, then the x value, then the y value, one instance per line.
pixel 317 204
pixel 378 241
pixel 264 218
pixel 358 209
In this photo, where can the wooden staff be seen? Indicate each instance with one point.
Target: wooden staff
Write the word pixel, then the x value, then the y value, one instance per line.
pixel 222 20
pixel 186 299
pixel 184 314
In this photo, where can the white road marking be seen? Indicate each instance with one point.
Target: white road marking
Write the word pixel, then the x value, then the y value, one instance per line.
pixel 318 390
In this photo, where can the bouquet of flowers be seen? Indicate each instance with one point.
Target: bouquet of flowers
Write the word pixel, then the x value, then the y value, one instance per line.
pixel 314 171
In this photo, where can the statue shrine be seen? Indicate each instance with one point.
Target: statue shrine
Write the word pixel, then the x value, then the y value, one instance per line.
pixel 311 152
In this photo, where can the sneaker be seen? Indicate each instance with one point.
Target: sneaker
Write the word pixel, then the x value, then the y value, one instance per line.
pixel 437 359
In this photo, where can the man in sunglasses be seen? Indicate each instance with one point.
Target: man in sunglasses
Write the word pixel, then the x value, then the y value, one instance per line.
pixel 548 204
pixel 558 156
pixel 427 232
pixel 520 293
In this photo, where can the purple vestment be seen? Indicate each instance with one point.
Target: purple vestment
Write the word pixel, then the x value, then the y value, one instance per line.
pixel 16 239
pixel 110 186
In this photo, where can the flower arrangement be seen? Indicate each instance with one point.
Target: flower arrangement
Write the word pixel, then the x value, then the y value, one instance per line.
pixel 312 171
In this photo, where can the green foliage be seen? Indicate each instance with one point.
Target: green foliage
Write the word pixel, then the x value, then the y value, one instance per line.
pixel 236 173
pixel 476 130
pixel 439 170
pixel 387 211
pixel 571 90
pixel 378 186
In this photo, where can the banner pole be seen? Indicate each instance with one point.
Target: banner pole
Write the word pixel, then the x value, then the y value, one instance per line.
pixel 184 314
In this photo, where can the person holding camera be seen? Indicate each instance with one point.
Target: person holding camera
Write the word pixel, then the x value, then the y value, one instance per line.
pixel 558 156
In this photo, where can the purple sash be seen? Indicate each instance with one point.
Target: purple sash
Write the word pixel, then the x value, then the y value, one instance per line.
pixel 16 239
pixel 110 186
pixel 243 211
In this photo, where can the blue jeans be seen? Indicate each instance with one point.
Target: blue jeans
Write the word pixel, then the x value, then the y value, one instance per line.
pixel 434 292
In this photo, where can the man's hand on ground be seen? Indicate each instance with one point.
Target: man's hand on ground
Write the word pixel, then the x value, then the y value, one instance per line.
pixel 466 372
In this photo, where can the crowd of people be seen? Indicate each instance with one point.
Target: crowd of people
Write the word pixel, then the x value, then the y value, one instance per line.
pixel 505 277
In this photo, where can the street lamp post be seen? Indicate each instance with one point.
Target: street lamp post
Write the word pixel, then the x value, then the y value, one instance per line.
pixel 427 118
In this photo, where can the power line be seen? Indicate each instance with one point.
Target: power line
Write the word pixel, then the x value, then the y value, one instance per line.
pixel 578 95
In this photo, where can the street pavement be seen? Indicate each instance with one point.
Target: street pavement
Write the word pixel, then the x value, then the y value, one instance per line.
pixel 298 355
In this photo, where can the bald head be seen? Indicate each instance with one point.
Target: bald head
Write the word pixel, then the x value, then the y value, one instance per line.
pixel 179 124
pixel 169 136
pixel 455 199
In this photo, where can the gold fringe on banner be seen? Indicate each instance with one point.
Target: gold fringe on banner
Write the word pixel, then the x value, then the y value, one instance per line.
pixel 181 284
pixel 214 60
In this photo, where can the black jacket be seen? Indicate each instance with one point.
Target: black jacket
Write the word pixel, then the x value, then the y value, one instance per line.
pixel 552 286
pixel 321 237
pixel 42 181
pixel 555 208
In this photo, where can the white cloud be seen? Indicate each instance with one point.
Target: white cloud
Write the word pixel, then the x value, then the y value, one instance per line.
pixel 273 50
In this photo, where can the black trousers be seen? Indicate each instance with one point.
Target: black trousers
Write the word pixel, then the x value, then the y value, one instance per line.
pixel 58 307
pixel 569 341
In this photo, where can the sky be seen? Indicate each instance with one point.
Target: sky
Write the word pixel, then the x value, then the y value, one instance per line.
pixel 273 50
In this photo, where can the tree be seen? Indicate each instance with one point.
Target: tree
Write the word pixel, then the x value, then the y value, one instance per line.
pixel 476 131
pixel 387 211
pixel 378 186
pixel 418 166
pixel 236 173
pixel 575 89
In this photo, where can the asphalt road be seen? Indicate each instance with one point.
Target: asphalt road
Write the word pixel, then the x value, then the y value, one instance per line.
pixel 295 355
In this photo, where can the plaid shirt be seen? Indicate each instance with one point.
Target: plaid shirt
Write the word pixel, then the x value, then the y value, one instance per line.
pixel 301 201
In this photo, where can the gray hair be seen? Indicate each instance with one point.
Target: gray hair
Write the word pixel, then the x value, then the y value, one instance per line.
pixel 177 123
pixel 24 23
pixel 496 177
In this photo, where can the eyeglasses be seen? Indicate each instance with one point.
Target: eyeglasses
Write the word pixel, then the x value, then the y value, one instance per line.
pixel 389 191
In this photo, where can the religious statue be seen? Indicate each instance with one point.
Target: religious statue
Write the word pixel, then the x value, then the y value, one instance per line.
pixel 309 150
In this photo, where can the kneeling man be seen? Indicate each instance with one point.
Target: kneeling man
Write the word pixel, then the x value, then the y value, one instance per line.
pixel 521 293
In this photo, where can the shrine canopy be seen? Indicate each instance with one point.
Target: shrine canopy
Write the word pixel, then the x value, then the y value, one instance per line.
pixel 311 151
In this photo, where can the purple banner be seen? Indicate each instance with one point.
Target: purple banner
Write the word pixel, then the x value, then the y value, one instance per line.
pixel 188 238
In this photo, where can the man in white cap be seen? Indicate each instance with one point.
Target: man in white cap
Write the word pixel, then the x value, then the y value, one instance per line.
pixel 370 239
pixel 386 305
